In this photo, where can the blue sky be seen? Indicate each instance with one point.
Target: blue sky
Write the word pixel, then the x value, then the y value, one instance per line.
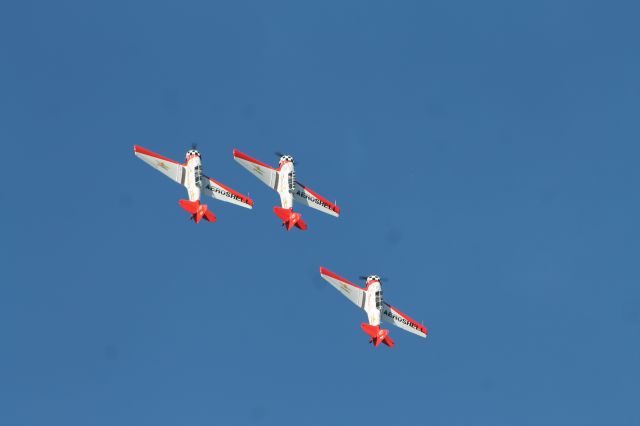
pixel 485 158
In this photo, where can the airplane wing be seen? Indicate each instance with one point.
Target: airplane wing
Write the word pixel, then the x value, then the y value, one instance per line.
pixel 304 195
pixel 222 192
pixel 397 318
pixel 349 289
pixel 170 168
pixel 262 171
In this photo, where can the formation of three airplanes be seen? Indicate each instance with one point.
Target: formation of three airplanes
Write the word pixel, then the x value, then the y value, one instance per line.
pixel 283 181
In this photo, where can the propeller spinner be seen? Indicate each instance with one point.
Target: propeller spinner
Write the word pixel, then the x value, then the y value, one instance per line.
pixel 372 278
pixel 285 157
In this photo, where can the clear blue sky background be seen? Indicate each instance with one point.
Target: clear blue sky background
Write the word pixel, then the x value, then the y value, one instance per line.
pixel 485 156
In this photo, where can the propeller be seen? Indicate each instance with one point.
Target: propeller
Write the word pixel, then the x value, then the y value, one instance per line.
pixel 363 277
pixel 280 154
pixel 194 146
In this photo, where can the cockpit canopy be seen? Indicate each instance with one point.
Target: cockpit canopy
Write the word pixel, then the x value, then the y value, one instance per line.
pixel 286 158
pixel 192 153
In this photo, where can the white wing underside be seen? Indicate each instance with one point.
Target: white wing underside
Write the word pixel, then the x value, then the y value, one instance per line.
pixel 223 193
pixel 395 317
pixel 169 168
pixel 265 174
pixel 306 196
pixel 348 289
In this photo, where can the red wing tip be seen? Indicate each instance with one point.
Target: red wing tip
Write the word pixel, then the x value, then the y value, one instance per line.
pixel 238 153
pixel 325 271
pixel 246 157
pixel 144 151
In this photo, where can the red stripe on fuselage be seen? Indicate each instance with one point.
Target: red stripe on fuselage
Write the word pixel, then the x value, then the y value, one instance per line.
pixel 369 283
pixel 282 164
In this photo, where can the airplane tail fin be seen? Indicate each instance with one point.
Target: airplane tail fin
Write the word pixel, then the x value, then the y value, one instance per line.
pixel 290 218
pixel 377 335
pixel 198 211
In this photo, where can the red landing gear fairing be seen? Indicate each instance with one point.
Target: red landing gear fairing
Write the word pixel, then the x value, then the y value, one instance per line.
pixel 370 299
pixel 283 180
pixel 189 174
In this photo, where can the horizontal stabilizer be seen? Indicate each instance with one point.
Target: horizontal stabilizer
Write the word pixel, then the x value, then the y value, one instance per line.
pixel 198 211
pixel 377 335
pixel 290 218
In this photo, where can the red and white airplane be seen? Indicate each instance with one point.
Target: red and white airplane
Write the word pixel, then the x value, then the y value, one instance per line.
pixel 283 180
pixel 189 174
pixel 370 299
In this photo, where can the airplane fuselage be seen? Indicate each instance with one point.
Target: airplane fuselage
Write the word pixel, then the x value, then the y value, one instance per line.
pixel 193 178
pixel 286 183
pixel 373 302
pixel 193 181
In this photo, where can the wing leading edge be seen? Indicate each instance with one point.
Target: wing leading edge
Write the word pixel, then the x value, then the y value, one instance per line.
pixel 170 168
pixel 397 318
pixel 222 192
pixel 262 171
pixel 304 195
pixel 350 290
